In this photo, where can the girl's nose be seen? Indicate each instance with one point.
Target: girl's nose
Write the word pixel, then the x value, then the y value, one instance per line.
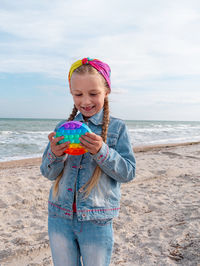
pixel 86 100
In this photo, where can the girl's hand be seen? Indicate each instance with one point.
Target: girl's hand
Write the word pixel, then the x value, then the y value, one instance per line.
pixel 58 150
pixel 91 142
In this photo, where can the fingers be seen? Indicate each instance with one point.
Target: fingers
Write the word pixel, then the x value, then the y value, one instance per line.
pixel 58 150
pixel 87 144
pixel 63 148
pixel 51 135
pixel 54 140
pixel 91 142
pixel 92 136
pixel 63 145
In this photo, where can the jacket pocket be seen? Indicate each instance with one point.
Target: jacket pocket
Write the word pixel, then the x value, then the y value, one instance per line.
pixel 112 139
pixel 101 222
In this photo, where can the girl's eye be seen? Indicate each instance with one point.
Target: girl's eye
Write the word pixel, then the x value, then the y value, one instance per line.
pixel 93 94
pixel 77 94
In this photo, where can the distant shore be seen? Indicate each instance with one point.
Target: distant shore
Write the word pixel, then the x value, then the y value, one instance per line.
pixel 161 146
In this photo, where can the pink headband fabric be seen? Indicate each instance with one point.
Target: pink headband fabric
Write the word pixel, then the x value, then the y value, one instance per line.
pixel 100 66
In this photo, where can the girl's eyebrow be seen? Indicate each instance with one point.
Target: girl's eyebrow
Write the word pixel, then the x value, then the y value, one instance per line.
pixel 80 91
pixel 94 91
pixel 77 90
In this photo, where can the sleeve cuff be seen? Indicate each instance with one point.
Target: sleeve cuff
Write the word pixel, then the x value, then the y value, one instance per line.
pixel 53 158
pixel 101 156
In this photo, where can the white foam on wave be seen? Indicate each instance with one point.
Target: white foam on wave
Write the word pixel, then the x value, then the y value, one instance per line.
pixel 36 132
pixel 145 141
pixel 13 158
pixel 6 132
pixel 151 129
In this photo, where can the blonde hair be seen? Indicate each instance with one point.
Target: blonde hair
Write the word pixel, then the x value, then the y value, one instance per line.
pixel 94 180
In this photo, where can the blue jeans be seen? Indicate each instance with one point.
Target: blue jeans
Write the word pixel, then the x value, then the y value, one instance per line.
pixel 76 243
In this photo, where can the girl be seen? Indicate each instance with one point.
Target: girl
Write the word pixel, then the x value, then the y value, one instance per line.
pixel 85 196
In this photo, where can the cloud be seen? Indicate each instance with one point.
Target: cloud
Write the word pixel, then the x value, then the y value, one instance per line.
pixel 153 47
pixel 139 40
pixel 119 91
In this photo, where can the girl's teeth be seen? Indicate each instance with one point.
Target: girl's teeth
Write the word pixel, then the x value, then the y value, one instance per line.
pixel 88 108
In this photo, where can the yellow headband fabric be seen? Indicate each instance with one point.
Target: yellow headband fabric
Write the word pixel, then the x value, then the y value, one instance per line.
pixel 74 66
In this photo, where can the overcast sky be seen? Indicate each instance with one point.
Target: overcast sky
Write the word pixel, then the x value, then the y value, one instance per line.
pixel 152 47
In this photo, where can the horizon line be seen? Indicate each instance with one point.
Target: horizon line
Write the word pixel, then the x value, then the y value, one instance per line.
pixel 145 120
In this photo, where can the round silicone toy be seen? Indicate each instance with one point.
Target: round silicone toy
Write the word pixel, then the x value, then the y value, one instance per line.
pixel 72 130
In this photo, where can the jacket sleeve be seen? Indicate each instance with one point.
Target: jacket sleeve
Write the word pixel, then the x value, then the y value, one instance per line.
pixel 118 163
pixel 52 165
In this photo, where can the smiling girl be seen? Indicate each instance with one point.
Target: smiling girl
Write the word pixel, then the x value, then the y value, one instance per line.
pixel 85 196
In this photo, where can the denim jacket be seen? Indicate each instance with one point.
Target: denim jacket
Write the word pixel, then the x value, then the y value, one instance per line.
pixel 116 160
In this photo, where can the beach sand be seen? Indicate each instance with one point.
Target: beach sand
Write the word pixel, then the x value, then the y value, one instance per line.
pixel 159 221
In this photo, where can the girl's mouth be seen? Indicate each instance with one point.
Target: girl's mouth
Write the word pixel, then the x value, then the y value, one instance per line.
pixel 88 109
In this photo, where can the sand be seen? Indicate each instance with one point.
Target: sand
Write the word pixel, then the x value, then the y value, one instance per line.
pixel 159 221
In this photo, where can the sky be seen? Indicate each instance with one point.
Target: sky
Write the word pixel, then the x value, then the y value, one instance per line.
pixel 152 47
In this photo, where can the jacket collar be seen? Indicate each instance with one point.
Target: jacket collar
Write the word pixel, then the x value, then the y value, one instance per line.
pixel 96 119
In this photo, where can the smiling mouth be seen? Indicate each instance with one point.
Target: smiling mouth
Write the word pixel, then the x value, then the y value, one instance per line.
pixel 87 109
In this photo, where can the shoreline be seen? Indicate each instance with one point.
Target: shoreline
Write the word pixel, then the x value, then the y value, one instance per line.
pixel 136 149
pixel 161 146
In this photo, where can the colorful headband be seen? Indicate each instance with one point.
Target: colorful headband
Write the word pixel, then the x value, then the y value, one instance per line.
pixel 100 66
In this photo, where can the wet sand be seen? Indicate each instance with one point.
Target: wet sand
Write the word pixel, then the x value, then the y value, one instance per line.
pixel 159 221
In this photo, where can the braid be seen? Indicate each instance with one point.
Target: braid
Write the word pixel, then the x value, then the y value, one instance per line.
pixel 96 175
pixel 73 114
pixel 56 183
pixel 105 120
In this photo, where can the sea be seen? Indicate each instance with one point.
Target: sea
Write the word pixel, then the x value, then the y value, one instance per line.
pixel 27 138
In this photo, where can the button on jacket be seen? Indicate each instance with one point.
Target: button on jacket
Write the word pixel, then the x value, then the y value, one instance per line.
pixel 116 160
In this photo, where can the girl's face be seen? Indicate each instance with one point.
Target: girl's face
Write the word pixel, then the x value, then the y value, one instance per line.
pixel 88 91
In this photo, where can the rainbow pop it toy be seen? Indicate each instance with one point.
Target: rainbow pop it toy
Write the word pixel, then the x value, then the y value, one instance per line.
pixel 72 130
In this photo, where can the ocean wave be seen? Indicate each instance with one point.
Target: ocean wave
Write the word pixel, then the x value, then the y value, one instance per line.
pixel 21 139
